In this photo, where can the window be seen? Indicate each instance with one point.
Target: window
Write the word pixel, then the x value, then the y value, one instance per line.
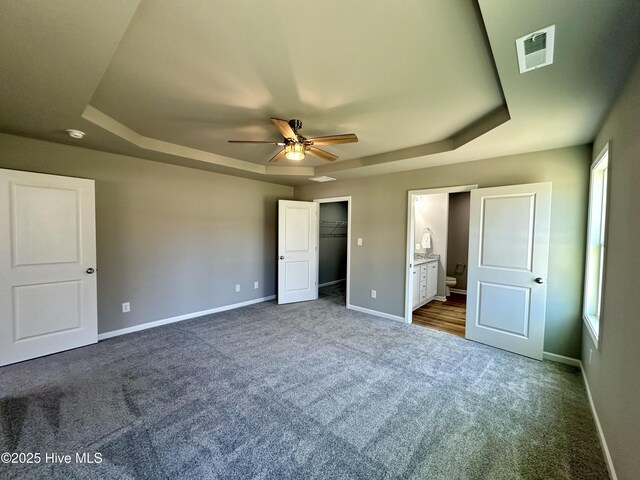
pixel 596 235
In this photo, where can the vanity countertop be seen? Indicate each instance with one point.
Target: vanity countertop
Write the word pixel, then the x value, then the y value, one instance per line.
pixel 422 259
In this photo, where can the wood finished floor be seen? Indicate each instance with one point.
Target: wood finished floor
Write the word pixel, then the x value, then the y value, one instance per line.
pixel 449 316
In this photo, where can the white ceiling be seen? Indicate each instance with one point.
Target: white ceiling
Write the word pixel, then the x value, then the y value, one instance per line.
pixel 433 82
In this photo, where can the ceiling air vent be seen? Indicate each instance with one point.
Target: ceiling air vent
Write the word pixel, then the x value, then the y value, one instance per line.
pixel 536 49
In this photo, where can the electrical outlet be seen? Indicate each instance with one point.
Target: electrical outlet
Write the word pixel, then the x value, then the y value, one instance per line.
pixel 256 285
pixel 126 307
pixel 238 288
pixel 590 355
pixel 418 246
pixel 374 294
pixel 359 242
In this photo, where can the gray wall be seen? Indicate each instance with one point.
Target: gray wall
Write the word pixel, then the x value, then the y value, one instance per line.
pixel 379 217
pixel 458 241
pixel 332 250
pixel 170 240
pixel 614 371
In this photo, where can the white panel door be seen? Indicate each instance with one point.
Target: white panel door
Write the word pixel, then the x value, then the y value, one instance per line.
pixel 508 260
pixel 297 251
pixel 48 300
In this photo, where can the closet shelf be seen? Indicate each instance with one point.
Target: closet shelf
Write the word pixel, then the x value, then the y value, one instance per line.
pixel 333 228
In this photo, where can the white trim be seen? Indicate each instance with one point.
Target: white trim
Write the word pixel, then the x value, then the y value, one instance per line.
pixel 179 318
pixel 334 200
pixel 440 298
pixel 603 441
pixel 454 189
pixel 408 304
pixel 574 362
pixel 457 290
pixel 376 313
pixel 334 282
pixel 587 317
pixel 554 357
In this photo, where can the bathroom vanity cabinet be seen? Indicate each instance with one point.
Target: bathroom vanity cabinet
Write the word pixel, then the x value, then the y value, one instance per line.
pixel 425 282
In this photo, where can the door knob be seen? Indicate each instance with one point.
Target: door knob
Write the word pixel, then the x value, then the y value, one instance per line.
pixel 90 271
pixel 538 280
pixel 281 258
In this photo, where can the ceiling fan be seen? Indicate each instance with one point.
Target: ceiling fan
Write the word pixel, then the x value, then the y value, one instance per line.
pixel 296 146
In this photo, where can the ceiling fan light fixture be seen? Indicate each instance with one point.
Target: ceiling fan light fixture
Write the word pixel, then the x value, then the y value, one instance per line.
pixel 296 146
pixel 294 151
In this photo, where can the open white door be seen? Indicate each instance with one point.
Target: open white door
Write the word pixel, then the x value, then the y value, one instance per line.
pixel 47 263
pixel 297 251
pixel 508 260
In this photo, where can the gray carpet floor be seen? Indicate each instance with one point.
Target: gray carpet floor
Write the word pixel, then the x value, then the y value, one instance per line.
pixel 304 391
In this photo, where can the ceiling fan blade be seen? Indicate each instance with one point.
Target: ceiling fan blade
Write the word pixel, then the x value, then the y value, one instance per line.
pixel 285 128
pixel 333 139
pixel 316 152
pixel 256 141
pixel 277 156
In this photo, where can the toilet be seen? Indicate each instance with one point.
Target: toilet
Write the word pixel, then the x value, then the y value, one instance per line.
pixel 449 282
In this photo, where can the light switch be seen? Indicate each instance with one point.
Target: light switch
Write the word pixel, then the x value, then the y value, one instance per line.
pixel 359 242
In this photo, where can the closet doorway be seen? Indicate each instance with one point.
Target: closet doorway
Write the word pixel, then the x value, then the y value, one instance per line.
pixel 437 250
pixel 334 248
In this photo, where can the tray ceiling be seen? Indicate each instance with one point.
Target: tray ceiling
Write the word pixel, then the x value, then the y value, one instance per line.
pixel 429 83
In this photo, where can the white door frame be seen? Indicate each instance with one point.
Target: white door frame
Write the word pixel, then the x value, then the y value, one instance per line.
pixel 412 194
pixel 334 200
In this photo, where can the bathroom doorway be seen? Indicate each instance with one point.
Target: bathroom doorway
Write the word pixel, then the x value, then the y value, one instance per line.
pixel 437 251
pixel 334 248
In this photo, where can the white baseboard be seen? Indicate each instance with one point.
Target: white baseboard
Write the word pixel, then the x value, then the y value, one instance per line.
pixel 376 313
pixel 179 318
pixel 334 282
pixel 574 362
pixel 457 290
pixel 440 298
pixel 603 441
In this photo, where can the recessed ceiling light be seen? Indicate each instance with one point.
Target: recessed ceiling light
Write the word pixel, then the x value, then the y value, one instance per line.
pixel 322 178
pixel 75 133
